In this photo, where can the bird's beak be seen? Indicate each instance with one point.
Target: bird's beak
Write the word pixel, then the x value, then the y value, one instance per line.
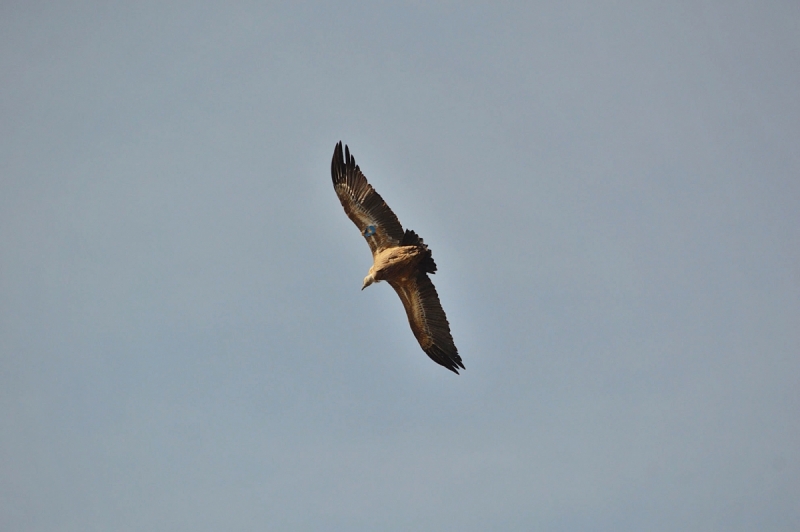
pixel 363 287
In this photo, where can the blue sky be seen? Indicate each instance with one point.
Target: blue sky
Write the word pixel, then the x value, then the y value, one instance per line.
pixel 610 191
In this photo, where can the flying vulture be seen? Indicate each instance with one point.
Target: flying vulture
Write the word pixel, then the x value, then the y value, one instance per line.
pixel 399 257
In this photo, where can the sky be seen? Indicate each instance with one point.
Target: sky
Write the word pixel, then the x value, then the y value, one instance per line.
pixel 610 190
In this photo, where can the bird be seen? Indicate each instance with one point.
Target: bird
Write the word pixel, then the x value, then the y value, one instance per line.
pixel 401 258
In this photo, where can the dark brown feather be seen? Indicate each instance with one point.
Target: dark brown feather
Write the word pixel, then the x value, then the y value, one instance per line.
pixel 428 320
pixel 410 238
pixel 363 205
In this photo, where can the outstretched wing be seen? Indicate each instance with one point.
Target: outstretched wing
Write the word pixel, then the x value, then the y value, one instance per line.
pixel 376 221
pixel 427 319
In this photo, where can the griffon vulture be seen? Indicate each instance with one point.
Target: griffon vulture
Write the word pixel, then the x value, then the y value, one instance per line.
pixel 399 257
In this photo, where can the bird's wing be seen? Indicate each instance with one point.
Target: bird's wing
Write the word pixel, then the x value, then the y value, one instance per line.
pixel 428 320
pixel 376 221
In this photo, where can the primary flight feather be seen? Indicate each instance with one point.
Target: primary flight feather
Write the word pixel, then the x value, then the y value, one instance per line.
pixel 399 257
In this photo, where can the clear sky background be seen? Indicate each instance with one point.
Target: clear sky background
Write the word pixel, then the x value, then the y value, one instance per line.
pixel 611 191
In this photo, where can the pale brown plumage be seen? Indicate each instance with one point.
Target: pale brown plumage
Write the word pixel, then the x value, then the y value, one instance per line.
pixel 399 257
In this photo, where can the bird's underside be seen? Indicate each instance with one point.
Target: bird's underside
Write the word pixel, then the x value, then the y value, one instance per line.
pixel 397 263
pixel 400 258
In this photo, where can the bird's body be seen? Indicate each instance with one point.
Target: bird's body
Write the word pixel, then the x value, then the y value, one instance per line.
pixel 400 258
pixel 398 263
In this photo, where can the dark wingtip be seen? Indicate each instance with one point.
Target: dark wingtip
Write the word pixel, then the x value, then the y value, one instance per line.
pixel 337 162
pixel 451 361
pixel 342 161
pixel 454 367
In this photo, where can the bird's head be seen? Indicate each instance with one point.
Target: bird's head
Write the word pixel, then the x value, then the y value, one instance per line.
pixel 368 280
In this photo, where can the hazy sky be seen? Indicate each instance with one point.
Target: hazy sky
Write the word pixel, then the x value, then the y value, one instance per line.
pixel 611 191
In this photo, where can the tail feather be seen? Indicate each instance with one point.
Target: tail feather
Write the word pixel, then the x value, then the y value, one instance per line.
pixel 410 238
